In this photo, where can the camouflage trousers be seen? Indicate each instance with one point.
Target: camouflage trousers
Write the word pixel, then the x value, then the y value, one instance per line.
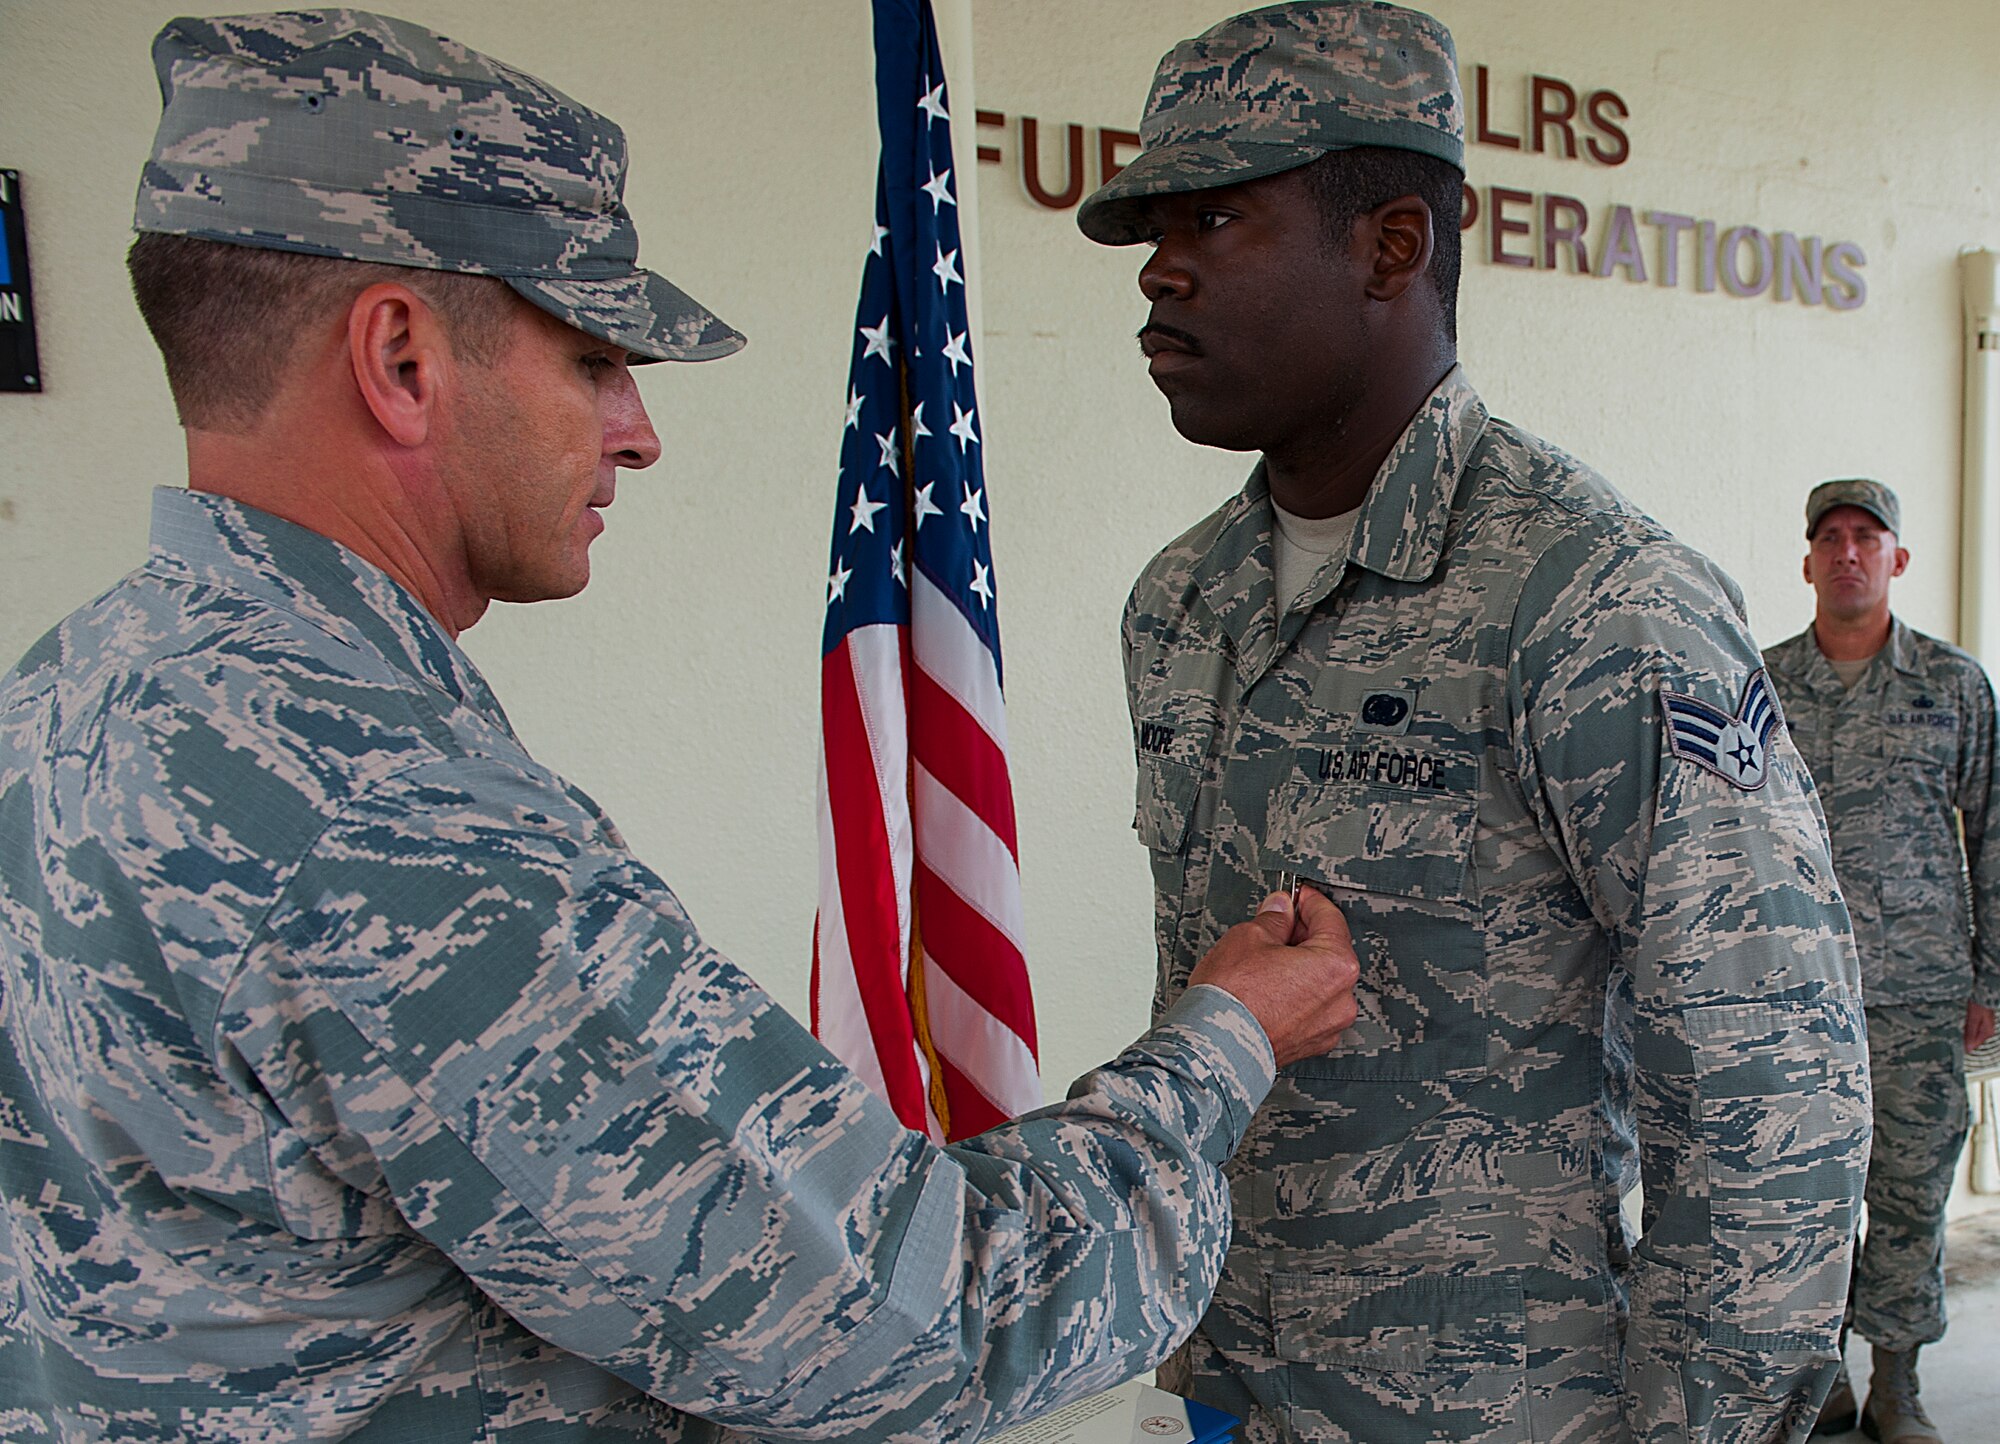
pixel 1916 1055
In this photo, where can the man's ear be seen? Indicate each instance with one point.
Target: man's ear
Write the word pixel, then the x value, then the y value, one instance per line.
pixel 1902 561
pixel 1400 235
pixel 400 357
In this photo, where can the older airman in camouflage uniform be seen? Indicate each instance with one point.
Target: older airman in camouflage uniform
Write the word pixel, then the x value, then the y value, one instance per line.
pixel 356 1081
pixel 1521 735
pixel 1898 729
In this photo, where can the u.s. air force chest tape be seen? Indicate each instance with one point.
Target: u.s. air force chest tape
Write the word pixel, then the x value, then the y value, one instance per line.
pixel 1132 1413
pixel 1921 712
pixel 1735 746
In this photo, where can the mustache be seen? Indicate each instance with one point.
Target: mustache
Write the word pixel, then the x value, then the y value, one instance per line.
pixel 1157 336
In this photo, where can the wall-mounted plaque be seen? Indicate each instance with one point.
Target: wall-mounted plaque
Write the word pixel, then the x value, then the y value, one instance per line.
pixel 20 363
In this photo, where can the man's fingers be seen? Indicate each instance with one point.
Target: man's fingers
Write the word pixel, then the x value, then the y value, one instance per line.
pixel 1301 990
pixel 1978 1025
pixel 1323 921
pixel 1274 917
pixel 1277 902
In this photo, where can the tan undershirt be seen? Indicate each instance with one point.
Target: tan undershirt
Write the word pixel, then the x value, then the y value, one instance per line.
pixel 1850 672
pixel 1301 545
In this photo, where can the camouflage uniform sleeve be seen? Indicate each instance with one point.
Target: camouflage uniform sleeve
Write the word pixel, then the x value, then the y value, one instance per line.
pixel 475 1004
pixel 1978 804
pixel 1732 971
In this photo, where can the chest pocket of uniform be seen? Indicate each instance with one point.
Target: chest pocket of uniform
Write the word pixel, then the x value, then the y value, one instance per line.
pixel 1399 864
pixel 1925 743
pixel 1919 880
pixel 1165 812
pixel 1165 804
pixel 1171 745
pixel 1162 819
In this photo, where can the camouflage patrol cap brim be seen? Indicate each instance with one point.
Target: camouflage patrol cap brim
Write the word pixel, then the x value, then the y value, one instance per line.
pixel 1115 214
pixel 1871 496
pixel 645 313
pixel 353 135
pixel 1276 88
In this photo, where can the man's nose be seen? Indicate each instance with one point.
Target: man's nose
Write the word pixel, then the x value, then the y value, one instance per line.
pixel 1165 276
pixel 629 438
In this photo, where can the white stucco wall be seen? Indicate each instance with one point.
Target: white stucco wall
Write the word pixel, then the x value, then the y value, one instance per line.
pixel 681 689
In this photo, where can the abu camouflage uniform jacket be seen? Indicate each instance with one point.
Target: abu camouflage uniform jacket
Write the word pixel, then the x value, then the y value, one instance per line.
pixel 1569 927
pixel 356 1081
pixel 1901 761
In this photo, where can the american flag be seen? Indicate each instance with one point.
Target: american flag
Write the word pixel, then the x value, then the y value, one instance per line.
pixel 919 983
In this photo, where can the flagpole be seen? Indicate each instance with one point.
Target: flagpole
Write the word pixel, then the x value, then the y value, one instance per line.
pixel 920 1014
pixel 952 24
pixel 916 799
pixel 955 42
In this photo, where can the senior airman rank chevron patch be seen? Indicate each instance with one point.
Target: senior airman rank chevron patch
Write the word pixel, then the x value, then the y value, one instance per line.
pixel 1737 749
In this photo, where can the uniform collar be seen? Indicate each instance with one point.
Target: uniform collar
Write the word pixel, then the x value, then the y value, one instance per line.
pixel 1899 652
pixel 1399 534
pixel 217 542
pixel 1902 649
pixel 1816 671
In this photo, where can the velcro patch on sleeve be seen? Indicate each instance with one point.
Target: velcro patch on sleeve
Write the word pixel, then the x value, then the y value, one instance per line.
pixel 1736 748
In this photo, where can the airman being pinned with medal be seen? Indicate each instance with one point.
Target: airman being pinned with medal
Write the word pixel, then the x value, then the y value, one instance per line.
pixel 1607 948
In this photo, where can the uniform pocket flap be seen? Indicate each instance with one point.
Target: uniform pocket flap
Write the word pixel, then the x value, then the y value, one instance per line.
pixel 1400 844
pixel 1166 802
pixel 1940 898
pixel 1433 1322
pixel 1928 735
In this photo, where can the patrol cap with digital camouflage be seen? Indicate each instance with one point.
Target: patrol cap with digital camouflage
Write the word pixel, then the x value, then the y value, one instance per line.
pixel 1871 496
pixel 1276 88
pixel 349 134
